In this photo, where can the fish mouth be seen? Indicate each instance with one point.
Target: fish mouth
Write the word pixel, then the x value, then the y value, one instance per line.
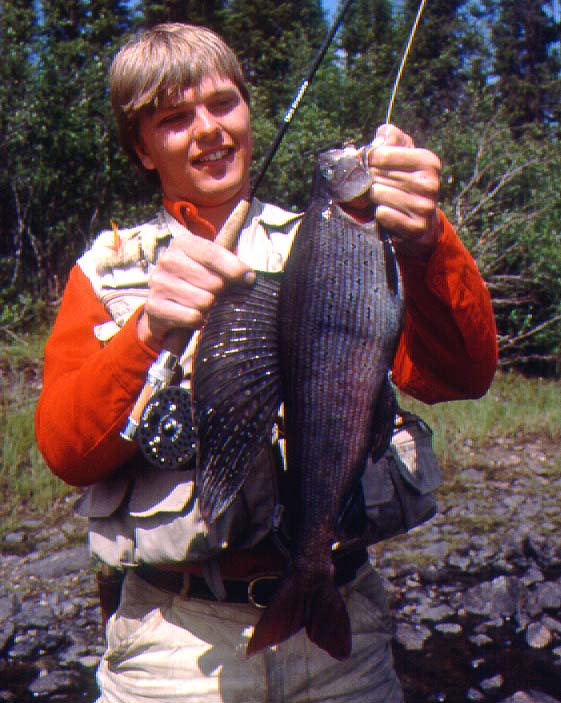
pixel 362 180
pixel 355 184
pixel 345 173
pixel 214 156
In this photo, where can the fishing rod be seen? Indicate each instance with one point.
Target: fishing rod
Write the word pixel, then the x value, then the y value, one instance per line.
pixel 289 115
pixel 167 439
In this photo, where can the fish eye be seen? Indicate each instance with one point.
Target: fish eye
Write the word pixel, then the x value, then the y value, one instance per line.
pixel 327 171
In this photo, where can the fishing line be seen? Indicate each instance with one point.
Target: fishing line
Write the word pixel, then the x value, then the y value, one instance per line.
pixel 404 59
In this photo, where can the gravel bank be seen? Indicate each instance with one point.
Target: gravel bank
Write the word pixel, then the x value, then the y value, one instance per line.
pixel 476 593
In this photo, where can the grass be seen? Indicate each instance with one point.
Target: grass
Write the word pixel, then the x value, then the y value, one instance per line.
pixel 24 476
pixel 23 468
pixel 514 407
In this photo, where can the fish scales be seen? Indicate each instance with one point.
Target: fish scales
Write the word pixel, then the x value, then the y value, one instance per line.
pixel 341 330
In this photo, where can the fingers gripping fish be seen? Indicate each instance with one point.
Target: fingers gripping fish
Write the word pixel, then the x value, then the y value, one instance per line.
pixel 320 338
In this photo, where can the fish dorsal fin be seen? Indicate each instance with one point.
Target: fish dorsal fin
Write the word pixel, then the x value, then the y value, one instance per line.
pixel 236 387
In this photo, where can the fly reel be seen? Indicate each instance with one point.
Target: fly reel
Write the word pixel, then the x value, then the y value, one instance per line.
pixel 165 432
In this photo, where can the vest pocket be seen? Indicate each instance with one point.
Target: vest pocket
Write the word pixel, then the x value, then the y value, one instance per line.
pixel 154 517
pixel 397 491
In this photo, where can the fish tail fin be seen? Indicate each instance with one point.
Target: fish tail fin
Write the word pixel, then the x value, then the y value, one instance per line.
pixel 322 612
pixel 328 623
pixel 283 618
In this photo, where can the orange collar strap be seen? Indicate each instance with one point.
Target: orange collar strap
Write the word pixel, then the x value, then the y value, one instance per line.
pixel 186 213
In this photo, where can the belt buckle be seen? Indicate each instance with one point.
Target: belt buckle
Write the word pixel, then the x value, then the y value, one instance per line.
pixel 253 596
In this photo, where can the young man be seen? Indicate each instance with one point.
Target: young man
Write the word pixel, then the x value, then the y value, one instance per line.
pixel 183 112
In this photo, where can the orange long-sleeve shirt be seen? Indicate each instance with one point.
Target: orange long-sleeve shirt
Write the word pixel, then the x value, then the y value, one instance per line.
pixel 447 351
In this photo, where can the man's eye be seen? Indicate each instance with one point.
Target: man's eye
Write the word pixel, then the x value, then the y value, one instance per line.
pixel 175 118
pixel 225 103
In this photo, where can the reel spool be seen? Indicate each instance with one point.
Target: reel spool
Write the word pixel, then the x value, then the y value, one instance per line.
pixel 165 433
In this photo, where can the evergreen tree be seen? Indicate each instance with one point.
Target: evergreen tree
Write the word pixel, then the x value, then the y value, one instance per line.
pixel 201 12
pixel 57 145
pixel 275 42
pixel 368 43
pixel 78 43
pixel 18 42
pixel 526 38
pixel 433 82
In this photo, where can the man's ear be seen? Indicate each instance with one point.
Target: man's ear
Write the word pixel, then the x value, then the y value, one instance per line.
pixel 144 156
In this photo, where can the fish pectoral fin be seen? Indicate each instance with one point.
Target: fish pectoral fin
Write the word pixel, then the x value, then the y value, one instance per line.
pixel 236 389
pixel 322 612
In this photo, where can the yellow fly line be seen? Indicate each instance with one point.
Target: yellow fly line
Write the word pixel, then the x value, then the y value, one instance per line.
pixel 404 59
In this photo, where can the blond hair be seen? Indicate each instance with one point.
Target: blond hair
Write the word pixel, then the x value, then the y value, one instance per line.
pixel 161 63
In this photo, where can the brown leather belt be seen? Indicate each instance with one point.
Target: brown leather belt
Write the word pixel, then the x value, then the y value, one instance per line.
pixel 257 590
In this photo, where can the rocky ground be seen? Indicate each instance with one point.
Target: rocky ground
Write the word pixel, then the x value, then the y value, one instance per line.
pixel 476 592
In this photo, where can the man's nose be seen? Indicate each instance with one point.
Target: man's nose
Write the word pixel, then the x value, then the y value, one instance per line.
pixel 205 123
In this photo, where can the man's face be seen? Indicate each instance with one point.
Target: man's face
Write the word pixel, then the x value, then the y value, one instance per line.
pixel 200 145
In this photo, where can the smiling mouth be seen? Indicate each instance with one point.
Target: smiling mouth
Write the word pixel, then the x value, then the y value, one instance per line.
pixel 214 156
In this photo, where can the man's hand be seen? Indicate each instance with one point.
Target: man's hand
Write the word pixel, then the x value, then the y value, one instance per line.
pixel 405 190
pixel 184 285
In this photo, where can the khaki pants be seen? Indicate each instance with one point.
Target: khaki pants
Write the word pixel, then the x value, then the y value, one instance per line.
pixel 164 647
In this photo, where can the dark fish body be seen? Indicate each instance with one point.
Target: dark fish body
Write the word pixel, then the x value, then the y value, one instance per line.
pixel 339 319
pixel 339 324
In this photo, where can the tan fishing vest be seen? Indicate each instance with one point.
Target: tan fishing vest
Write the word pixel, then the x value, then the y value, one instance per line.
pixel 144 514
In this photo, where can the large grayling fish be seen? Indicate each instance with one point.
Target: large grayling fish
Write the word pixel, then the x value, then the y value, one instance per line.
pixel 321 338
